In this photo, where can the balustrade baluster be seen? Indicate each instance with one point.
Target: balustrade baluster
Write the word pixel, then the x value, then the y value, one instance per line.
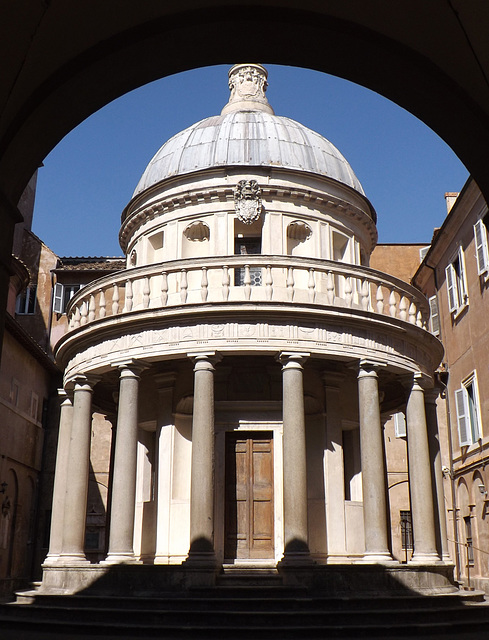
pixel 419 319
pixel 348 292
pixel 247 282
pixel 101 304
pixel 380 299
pixel 392 304
pixel 183 286
pixel 290 283
pixel 330 287
pixel 269 282
pixel 164 288
pixel 311 285
pixel 83 313
pixel 77 318
pixel 91 309
pixel 403 308
pixel 146 292
pixel 128 297
pixel 365 295
pixel 204 285
pixel 225 282
pixel 115 300
pixel 412 313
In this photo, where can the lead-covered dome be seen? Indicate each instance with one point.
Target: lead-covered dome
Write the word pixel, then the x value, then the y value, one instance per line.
pixel 247 133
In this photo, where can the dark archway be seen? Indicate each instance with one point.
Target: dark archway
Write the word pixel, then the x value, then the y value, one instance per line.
pixel 62 61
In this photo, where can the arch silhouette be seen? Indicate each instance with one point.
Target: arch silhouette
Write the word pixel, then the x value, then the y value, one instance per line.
pixel 63 61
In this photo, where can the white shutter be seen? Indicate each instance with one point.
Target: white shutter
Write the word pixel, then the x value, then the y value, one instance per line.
pixel 400 425
pixel 452 288
pixel 463 417
pixel 58 298
pixel 434 316
pixel 481 252
pixel 462 280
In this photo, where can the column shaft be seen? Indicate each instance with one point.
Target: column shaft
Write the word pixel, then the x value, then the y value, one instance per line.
pixel 164 454
pixel 60 478
pixel 202 483
pixel 296 548
pixel 334 469
pixel 123 503
pixel 373 467
pixel 78 469
pixel 420 485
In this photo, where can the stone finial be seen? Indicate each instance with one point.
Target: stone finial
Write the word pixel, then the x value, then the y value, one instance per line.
pixel 248 83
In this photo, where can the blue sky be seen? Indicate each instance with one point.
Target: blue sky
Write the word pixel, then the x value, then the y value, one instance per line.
pixel 86 181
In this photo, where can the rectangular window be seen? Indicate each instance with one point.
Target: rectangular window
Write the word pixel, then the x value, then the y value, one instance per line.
pixel 26 301
pixel 457 283
pixel 406 530
pixel 400 425
pixel 14 392
pixel 34 405
pixel 468 412
pixel 468 541
pixel 245 247
pixel 63 294
pixel 434 316
pixel 481 246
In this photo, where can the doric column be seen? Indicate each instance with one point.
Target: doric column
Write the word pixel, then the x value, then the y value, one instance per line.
pixel 334 469
pixel 373 466
pixel 420 484
pixel 60 477
pixel 164 385
pixel 296 548
pixel 202 483
pixel 430 397
pixel 123 504
pixel 78 469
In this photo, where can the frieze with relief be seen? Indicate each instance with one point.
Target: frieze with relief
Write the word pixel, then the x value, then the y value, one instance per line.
pixel 319 338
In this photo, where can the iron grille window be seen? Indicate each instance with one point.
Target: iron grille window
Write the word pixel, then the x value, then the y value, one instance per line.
pixel 406 531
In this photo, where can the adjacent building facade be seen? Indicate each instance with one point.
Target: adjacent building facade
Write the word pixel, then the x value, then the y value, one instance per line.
pixel 455 275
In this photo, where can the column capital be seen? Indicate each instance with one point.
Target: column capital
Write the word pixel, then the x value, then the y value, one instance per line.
pixel 205 360
pixel 65 396
pixel 292 359
pixel 417 381
pixel 85 382
pixel 130 367
pixel 369 368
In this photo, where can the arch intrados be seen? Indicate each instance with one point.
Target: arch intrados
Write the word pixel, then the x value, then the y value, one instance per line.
pixel 160 47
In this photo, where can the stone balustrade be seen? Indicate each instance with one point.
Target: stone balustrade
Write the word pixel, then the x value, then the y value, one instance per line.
pixel 250 278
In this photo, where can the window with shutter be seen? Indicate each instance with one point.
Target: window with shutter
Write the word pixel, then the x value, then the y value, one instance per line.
pixel 481 249
pixel 468 411
pixel 58 298
pixel 457 283
pixel 434 316
pixel 462 417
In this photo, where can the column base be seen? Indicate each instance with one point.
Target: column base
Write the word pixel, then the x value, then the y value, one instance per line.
pixel 296 559
pixel 201 560
pixel 425 558
pixel 120 558
pixel 72 560
pixel 377 558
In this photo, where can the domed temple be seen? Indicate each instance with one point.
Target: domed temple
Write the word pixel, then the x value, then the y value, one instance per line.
pixel 255 371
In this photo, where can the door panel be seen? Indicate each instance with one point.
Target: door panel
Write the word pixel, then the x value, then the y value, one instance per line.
pixel 249 513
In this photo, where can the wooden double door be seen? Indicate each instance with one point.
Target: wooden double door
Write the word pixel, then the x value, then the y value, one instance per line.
pixel 249 510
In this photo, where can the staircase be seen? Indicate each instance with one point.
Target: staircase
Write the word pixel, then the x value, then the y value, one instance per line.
pixel 244 607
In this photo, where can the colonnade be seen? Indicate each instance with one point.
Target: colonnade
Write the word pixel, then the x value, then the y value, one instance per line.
pixel 72 468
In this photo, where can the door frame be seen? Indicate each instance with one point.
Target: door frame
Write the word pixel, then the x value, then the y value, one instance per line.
pixel 276 428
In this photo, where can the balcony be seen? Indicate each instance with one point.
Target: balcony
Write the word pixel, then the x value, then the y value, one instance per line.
pixel 284 280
